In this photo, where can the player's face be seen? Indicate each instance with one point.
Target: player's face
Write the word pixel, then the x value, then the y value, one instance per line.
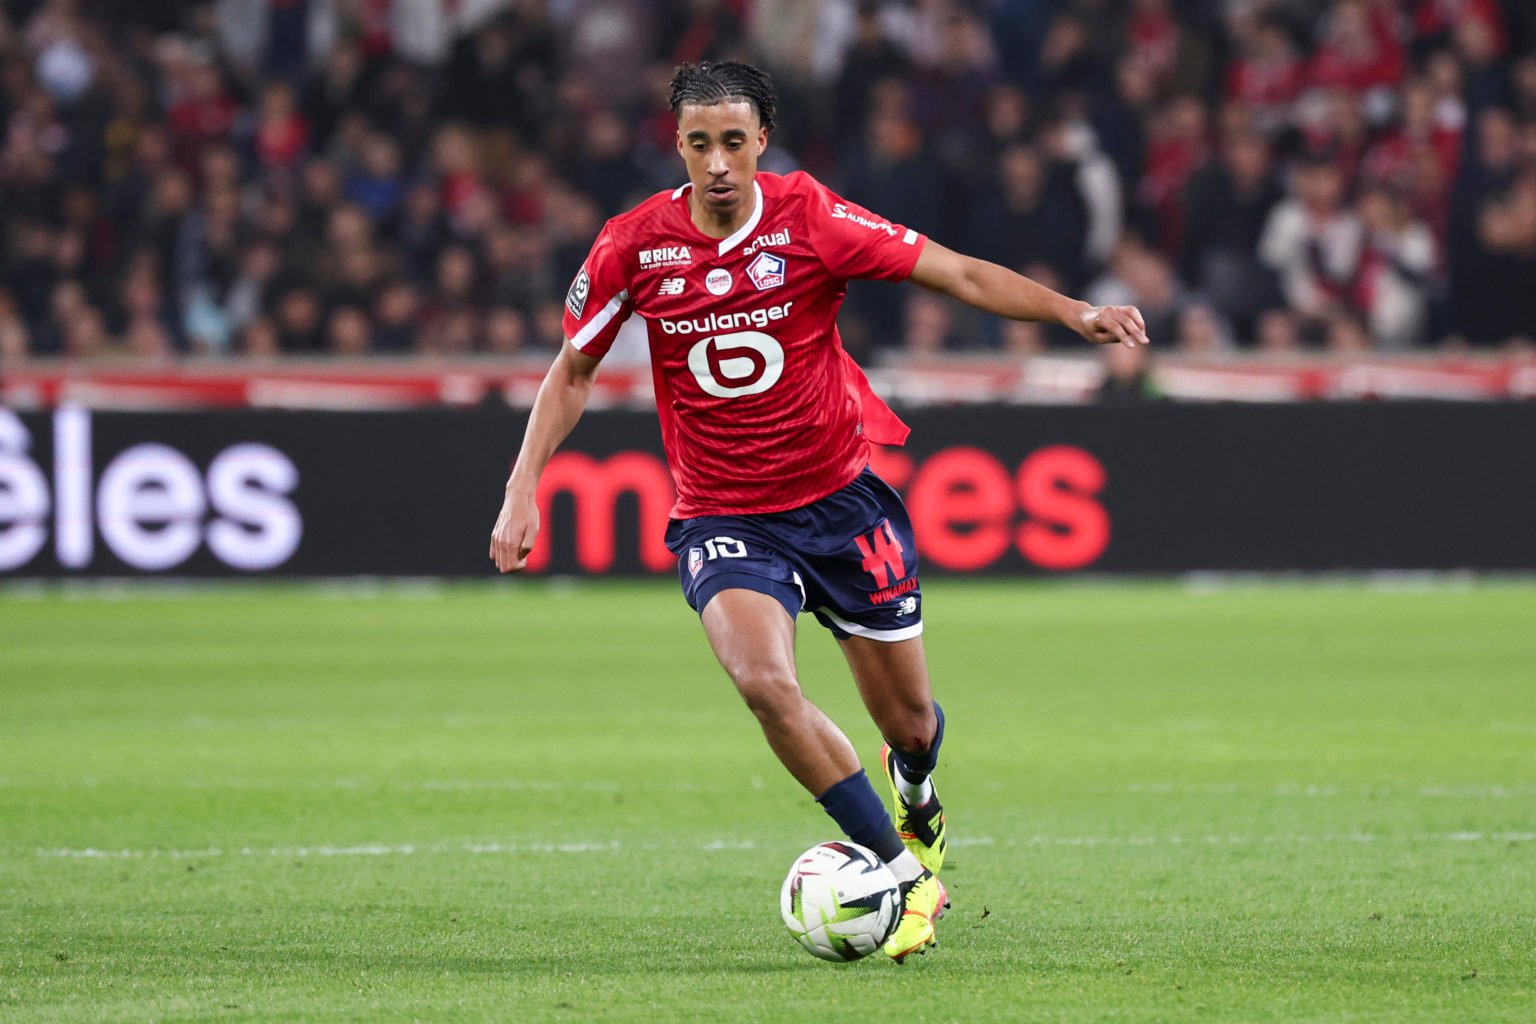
pixel 720 143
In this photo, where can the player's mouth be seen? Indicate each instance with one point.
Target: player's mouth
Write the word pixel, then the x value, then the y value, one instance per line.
pixel 720 193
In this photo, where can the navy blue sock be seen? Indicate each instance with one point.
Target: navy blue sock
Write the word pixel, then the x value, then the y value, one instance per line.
pixel 861 814
pixel 917 767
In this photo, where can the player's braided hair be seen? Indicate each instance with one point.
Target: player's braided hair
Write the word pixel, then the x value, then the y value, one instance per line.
pixel 708 82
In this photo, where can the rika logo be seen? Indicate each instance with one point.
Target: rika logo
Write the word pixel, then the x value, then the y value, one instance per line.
pixel 671 286
pixel 719 281
pixel 576 298
pixel 695 561
pixel 767 271
pixel 666 256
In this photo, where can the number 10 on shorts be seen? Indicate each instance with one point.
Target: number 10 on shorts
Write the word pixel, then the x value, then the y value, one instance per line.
pixel 724 547
pixel 715 547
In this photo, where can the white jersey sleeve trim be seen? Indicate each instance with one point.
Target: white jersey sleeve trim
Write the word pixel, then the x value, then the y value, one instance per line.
pixel 889 636
pixel 745 231
pixel 586 334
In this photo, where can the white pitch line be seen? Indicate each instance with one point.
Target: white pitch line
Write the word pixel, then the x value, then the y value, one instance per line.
pixel 730 845
pixel 1490 791
pixel 363 784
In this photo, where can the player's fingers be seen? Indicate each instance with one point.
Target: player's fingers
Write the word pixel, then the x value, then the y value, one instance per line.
pixel 1134 325
pixel 1128 324
pixel 502 552
pixel 1121 333
pixel 520 549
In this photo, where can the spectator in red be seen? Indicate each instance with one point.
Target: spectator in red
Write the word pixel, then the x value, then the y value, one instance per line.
pixel 282 132
pixel 453 154
pixel 1419 158
pixel 1177 149
pixel 1156 40
pixel 1434 21
pixel 1268 75
pixel 1359 50
pixel 202 116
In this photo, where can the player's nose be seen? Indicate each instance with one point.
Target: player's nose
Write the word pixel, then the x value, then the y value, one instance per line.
pixel 717 164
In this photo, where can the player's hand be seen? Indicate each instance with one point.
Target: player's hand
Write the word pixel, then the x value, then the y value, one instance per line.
pixel 1113 325
pixel 516 529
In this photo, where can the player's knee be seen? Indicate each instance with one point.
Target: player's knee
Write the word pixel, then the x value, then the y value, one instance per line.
pixel 911 729
pixel 771 692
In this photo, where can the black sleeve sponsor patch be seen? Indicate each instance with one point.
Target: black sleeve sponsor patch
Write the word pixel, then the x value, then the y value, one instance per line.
pixel 576 298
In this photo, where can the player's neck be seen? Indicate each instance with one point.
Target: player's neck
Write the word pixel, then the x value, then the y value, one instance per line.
pixel 720 226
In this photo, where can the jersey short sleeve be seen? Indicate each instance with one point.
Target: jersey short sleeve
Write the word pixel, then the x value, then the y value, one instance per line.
pixel 854 243
pixel 598 302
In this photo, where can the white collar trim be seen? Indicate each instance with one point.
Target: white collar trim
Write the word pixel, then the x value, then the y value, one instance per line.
pixel 745 231
pixel 742 233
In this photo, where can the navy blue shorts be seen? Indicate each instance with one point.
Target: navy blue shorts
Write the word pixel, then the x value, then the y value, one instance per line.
pixel 849 559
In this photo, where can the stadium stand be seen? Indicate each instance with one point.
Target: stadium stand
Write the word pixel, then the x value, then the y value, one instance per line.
pixel 416 178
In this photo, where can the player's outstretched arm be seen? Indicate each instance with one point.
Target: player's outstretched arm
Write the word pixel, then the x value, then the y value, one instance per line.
pixel 559 404
pixel 1000 291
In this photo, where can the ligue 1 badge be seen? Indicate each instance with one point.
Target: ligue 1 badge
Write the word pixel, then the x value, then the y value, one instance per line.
pixel 695 561
pixel 576 298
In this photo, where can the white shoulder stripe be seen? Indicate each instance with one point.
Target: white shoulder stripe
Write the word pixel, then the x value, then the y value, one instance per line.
pixel 598 322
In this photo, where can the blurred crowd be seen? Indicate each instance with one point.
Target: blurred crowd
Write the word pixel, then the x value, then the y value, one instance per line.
pixel 265 177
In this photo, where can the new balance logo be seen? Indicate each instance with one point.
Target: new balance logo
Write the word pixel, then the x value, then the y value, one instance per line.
pixel 666 256
pixel 907 607
pixel 670 286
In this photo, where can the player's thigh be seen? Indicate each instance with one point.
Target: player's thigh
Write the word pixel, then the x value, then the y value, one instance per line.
pixel 735 575
pixel 892 678
pixel 753 637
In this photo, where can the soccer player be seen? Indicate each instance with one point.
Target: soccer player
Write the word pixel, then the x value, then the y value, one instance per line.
pixel 737 277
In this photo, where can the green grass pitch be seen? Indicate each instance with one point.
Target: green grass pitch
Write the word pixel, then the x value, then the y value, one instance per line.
pixel 543 802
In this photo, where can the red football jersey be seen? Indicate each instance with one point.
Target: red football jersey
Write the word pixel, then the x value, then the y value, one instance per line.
pixel 760 407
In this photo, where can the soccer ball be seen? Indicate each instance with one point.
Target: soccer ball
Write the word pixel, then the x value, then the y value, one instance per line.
pixel 840 901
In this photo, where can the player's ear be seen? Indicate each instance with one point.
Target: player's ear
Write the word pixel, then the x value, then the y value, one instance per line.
pixel 762 140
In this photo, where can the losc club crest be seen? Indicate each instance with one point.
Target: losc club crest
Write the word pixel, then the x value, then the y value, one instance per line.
pixel 695 561
pixel 767 271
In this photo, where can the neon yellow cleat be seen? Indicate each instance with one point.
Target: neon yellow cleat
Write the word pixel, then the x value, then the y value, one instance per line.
pixel 924 902
pixel 921 828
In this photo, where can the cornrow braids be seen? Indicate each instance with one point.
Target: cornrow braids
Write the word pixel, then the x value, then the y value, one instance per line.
pixel 708 83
